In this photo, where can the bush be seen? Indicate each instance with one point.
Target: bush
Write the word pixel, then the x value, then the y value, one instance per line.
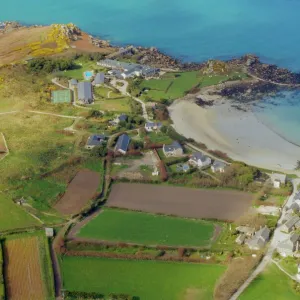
pixel 50 65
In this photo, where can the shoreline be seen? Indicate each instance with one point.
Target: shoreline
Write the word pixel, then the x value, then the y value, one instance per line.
pixel 222 127
pixel 269 73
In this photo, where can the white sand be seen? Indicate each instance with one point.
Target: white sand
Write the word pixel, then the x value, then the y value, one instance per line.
pixel 237 133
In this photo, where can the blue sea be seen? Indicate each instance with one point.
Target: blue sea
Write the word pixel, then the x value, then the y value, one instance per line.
pixel 192 30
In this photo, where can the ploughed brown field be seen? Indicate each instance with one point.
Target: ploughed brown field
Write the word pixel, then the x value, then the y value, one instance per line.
pixel 23 273
pixel 180 201
pixel 81 189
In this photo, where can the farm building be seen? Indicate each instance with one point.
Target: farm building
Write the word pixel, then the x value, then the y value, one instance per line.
pixel 85 93
pixel 122 144
pixel 199 160
pixel 260 239
pixel 99 79
pixel 94 141
pixel 61 96
pixel 49 232
pixel 173 149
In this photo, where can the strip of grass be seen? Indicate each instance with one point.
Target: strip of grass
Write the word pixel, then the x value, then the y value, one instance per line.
pixel 115 105
pixel 13 216
pixel 142 228
pixel 144 279
pixel 271 284
pixel 176 85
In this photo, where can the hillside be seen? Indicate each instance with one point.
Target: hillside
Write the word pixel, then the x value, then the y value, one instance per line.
pixel 19 43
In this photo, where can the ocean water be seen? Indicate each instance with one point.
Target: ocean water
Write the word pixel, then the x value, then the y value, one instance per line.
pixel 193 30
pixel 281 114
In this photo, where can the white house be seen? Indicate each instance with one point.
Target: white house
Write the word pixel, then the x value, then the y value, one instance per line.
pixel 199 160
pixel 151 126
pixel 278 180
pixel 218 166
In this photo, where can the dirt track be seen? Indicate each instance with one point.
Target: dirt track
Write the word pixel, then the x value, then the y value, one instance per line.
pixel 81 189
pixel 180 201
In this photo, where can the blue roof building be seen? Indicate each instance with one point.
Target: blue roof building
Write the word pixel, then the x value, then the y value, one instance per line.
pixel 95 140
pixel 85 93
pixel 122 144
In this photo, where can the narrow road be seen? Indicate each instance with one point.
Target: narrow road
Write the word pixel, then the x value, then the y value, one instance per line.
pixel 54 115
pixel 293 277
pixel 54 80
pixel 7 149
pixel 278 236
pixel 123 90
pixel 9 112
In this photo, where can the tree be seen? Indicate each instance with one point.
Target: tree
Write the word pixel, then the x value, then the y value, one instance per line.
pixel 99 151
pixel 298 165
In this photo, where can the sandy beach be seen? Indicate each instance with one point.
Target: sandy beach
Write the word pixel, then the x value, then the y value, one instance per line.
pixel 239 134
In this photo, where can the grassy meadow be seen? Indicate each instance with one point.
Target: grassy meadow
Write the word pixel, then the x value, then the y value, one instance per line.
pixel 175 85
pixel 13 216
pixel 36 145
pixel 149 280
pixel 271 284
pixel 142 228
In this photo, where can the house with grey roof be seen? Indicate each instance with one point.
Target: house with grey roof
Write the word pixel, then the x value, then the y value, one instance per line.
pixel 278 179
pixel 218 166
pixel 174 149
pixel 289 246
pixel 260 239
pixel 122 144
pixel 199 160
pixel 73 84
pixel 295 206
pixel 152 126
pixel 240 239
pixel 85 92
pixel 94 141
pixel 99 79
pixel 129 70
pixel 289 225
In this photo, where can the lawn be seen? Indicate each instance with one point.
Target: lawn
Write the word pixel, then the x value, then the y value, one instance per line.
pixel 142 228
pixel 81 66
pixel 113 105
pixel 159 138
pixel 148 280
pixel 13 216
pixel 271 284
pixel 176 85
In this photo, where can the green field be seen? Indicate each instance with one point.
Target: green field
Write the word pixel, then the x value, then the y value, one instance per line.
pixel 142 228
pixel 112 105
pixel 271 284
pixel 175 85
pixel 148 280
pixel 13 216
